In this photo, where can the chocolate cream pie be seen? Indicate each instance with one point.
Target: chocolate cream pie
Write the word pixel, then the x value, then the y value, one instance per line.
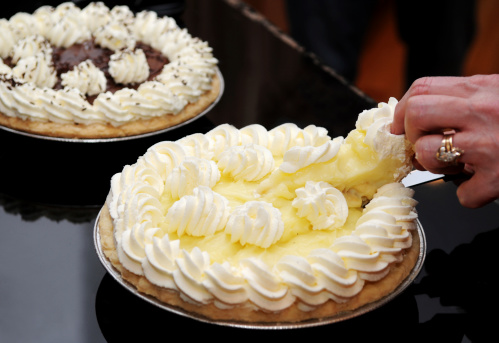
pixel 272 226
pixel 98 72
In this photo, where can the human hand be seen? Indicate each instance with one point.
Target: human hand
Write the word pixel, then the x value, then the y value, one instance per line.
pixel 469 106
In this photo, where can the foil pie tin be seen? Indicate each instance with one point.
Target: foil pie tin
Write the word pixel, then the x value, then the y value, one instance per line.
pixel 271 325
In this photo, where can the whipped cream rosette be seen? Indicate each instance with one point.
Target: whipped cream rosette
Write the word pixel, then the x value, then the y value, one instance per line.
pixel 264 225
pixel 138 73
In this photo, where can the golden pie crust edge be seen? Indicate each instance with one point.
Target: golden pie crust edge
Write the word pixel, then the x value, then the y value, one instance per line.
pixel 370 293
pixel 99 131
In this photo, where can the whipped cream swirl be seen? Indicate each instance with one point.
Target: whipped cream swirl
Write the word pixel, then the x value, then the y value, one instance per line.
pixel 388 220
pixel 226 284
pixel 129 66
pixel 30 46
pixel 160 262
pixel 191 173
pixel 265 289
pixel 30 107
pixel 323 205
pixel 22 25
pixel 164 156
pixel 96 15
pixel 189 275
pixel 197 145
pixel 256 222
pixel 86 77
pixel 297 157
pixel 201 214
pixel 247 162
pixel 67 26
pixel 8 38
pixel 255 134
pixel 223 137
pixel 37 69
pixel 376 123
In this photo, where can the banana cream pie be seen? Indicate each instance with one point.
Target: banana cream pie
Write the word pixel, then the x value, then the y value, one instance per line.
pixel 257 225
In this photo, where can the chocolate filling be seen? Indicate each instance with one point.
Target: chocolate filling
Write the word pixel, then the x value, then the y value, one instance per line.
pixel 65 59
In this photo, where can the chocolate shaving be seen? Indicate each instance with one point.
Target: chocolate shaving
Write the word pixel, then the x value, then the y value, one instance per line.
pixel 66 59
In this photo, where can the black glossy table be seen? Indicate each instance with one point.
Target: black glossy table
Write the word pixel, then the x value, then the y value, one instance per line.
pixel 54 289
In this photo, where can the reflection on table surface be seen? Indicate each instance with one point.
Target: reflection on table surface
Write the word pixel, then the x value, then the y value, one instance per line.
pixel 54 277
pixel 54 289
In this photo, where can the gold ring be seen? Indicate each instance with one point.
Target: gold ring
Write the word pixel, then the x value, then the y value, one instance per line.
pixel 447 152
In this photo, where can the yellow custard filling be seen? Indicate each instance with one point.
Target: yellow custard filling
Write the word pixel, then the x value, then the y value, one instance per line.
pixel 298 237
pixel 356 171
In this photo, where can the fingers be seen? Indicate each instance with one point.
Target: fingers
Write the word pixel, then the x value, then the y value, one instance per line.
pixel 481 185
pixel 475 150
pixel 426 148
pixel 459 88
pixel 433 114
pixel 416 164
pixel 456 86
pixel 448 86
pixel 467 105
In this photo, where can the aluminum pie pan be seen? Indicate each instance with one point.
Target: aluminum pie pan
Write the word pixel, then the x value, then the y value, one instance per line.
pixel 266 325
pixel 126 138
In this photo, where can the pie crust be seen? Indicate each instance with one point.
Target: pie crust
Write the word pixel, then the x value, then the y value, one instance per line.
pixel 371 292
pixel 98 130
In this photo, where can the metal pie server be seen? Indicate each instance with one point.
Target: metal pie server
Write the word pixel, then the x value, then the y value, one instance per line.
pixel 418 177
